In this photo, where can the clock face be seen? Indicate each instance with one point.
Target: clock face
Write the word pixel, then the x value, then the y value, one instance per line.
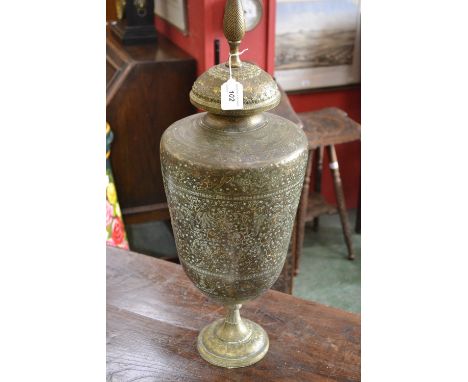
pixel 140 6
pixel 253 10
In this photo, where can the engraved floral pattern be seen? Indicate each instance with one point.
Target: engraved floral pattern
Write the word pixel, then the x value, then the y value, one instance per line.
pixel 260 90
pixel 233 199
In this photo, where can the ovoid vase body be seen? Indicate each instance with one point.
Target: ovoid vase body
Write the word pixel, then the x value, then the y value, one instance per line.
pixel 233 186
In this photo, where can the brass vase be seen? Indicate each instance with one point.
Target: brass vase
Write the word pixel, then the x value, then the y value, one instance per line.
pixel 233 180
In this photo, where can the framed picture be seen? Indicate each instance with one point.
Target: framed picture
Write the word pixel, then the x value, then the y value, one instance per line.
pixel 317 43
pixel 174 12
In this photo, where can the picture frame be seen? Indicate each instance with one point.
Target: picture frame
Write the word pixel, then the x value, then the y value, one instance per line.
pixel 174 12
pixel 317 43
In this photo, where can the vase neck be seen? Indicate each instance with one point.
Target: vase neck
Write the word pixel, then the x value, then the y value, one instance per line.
pixel 233 329
pixel 234 124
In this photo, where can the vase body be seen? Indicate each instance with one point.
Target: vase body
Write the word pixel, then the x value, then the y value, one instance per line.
pixel 233 186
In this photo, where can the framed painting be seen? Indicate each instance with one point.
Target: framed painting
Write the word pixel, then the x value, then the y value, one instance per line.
pixel 317 43
pixel 174 12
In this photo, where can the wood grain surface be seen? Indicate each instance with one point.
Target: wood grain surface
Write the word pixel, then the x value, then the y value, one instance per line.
pixel 330 126
pixel 147 90
pixel 154 314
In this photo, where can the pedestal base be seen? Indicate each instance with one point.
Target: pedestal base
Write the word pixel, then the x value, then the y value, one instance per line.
pixel 230 354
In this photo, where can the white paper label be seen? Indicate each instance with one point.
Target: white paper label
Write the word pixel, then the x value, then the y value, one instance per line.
pixel 232 95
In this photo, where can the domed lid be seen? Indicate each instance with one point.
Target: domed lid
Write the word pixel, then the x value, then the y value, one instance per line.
pixel 260 92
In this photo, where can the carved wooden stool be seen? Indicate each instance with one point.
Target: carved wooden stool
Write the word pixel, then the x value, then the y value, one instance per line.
pixel 324 129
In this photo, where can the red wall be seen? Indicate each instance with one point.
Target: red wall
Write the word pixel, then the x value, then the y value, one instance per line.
pixel 194 42
pixel 205 22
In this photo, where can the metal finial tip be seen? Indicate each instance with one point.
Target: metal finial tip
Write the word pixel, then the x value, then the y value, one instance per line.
pixel 234 28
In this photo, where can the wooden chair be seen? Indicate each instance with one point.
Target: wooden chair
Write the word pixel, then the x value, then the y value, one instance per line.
pixel 324 129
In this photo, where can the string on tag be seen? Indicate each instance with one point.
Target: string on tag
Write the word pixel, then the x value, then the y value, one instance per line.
pixel 234 54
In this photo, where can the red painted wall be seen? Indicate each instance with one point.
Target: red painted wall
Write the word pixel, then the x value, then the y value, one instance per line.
pixel 194 42
pixel 205 23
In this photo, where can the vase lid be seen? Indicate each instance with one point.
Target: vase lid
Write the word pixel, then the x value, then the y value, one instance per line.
pixel 260 91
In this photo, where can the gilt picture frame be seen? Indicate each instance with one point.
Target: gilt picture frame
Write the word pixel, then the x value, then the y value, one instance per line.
pixel 317 43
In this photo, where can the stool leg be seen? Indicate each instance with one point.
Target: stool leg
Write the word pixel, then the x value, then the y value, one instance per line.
pixel 292 256
pixel 318 182
pixel 301 214
pixel 357 226
pixel 341 200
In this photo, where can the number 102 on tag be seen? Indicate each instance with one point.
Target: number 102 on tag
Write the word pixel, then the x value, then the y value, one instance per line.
pixel 232 95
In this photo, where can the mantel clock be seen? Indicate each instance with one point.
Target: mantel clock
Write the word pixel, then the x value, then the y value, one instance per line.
pixel 135 21
pixel 253 11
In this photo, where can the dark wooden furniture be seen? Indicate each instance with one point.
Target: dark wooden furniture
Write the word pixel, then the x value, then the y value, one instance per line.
pixel 154 314
pixel 324 129
pixel 357 224
pixel 147 90
pixel 136 25
pixel 111 11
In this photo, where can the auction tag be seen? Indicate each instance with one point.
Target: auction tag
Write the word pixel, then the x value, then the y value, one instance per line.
pixel 232 95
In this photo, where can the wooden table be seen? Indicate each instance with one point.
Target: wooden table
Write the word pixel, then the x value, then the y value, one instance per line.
pixel 324 128
pixel 154 314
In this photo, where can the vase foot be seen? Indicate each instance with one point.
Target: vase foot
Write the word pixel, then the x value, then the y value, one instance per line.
pixel 231 354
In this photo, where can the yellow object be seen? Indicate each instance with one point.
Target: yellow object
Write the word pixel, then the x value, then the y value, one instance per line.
pixel 111 193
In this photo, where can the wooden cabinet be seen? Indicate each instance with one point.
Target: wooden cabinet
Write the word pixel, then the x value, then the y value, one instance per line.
pixel 148 89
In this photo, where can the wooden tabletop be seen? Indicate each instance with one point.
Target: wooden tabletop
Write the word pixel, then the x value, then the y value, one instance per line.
pixel 330 126
pixel 154 314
